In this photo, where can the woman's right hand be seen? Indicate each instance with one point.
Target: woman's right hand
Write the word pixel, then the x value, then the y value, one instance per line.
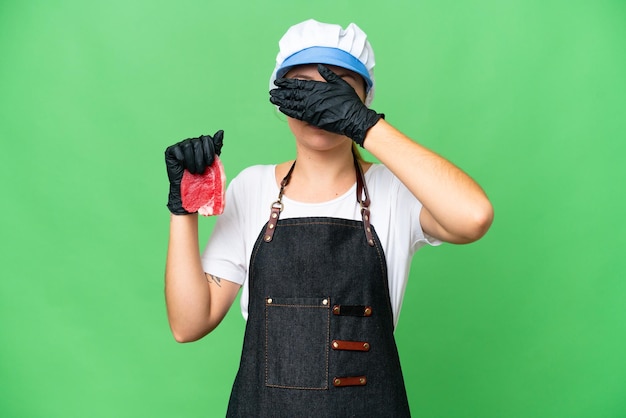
pixel 193 155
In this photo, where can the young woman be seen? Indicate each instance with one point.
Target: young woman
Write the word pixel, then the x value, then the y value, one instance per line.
pixel 320 245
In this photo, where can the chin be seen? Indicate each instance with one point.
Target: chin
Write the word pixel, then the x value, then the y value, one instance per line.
pixel 325 141
pixel 315 137
pixel 314 130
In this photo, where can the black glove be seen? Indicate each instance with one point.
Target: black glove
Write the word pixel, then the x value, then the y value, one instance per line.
pixel 194 155
pixel 333 106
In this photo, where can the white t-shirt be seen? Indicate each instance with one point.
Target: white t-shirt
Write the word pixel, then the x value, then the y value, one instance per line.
pixel 394 214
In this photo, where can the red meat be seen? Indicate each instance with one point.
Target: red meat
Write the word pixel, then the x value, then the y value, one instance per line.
pixel 204 193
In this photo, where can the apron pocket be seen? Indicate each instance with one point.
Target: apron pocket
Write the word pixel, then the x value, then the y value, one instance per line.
pixel 297 333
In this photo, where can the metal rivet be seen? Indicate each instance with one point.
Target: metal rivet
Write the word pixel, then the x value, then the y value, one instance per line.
pixel 335 344
pixel 366 346
pixel 371 242
pixel 369 229
pixel 268 238
pixel 366 217
pixel 325 302
pixel 271 226
pixel 269 300
pixel 336 309
pixel 362 381
pixel 368 311
pixel 274 215
pixel 337 382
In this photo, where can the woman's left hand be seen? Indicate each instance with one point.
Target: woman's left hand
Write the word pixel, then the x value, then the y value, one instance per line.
pixel 332 105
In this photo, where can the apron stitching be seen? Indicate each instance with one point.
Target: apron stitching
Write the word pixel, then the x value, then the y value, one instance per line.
pixel 326 351
pixel 383 267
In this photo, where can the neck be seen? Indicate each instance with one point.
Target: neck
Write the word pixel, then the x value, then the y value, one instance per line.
pixel 320 175
pixel 324 166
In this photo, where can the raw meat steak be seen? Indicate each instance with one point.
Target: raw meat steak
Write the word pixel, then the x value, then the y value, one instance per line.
pixel 204 193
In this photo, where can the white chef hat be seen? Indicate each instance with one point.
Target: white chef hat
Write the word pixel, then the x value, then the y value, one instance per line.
pixel 313 42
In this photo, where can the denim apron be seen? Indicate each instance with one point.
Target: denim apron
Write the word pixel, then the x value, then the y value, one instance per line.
pixel 319 336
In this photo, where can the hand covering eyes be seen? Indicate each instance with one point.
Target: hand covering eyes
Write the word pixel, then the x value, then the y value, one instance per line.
pixel 332 105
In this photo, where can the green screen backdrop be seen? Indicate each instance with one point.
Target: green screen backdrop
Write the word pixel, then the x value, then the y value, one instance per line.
pixel 527 96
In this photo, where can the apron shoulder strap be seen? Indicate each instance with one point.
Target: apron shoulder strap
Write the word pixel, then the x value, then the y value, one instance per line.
pixel 362 197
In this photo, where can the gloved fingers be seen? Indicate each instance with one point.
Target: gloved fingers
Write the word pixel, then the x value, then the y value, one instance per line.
pixel 218 141
pixel 277 94
pixel 207 152
pixel 334 81
pixel 275 100
pixel 174 159
pixel 285 82
pixel 189 159
pixel 296 114
pixel 287 103
pixel 328 74
pixel 295 83
pixel 174 153
pixel 286 94
pixel 280 97
pixel 192 154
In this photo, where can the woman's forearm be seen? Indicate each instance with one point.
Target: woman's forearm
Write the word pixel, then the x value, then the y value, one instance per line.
pixel 187 292
pixel 456 203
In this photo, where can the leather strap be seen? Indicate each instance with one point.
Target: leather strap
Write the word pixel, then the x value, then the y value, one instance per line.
pixel 277 207
pixel 352 310
pixel 350 345
pixel 363 197
pixel 349 381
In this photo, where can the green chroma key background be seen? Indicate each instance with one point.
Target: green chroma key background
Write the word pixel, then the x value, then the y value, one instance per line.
pixel 526 96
